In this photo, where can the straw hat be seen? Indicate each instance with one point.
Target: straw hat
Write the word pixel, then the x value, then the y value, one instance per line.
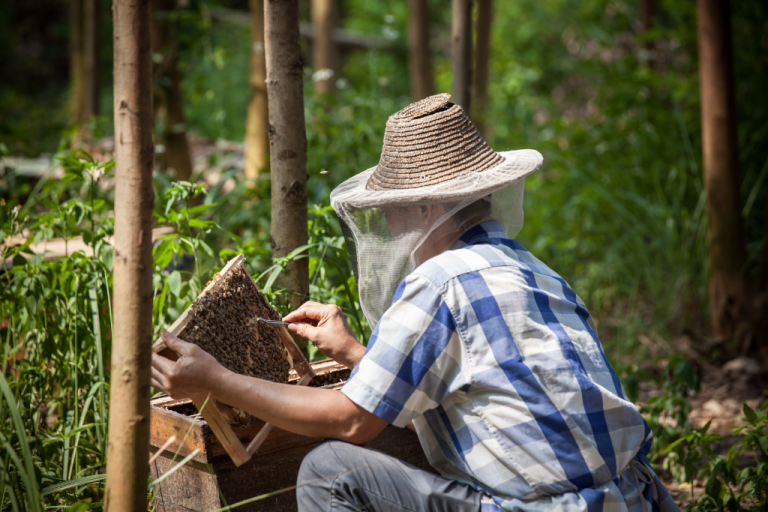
pixel 432 153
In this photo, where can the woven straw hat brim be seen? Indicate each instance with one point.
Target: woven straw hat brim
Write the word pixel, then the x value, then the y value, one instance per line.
pixel 471 185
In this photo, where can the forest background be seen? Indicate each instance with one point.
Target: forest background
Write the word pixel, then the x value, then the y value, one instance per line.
pixel 619 208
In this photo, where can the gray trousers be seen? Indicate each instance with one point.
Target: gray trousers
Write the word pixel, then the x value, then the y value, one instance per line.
pixel 338 476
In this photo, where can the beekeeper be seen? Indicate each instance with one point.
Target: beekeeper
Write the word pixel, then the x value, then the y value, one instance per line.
pixel 487 353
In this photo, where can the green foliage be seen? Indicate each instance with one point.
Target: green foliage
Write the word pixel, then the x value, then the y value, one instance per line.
pixel 667 414
pixel 729 486
pixel 55 358
pixel 57 315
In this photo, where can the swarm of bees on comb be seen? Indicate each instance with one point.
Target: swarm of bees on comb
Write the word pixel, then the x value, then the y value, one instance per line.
pixel 221 322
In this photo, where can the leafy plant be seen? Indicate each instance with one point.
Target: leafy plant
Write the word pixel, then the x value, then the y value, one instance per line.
pixel 729 487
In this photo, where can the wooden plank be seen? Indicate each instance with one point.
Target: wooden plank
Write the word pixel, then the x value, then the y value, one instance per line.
pixel 190 434
pixel 223 431
pixel 187 489
pixel 254 445
pixel 276 467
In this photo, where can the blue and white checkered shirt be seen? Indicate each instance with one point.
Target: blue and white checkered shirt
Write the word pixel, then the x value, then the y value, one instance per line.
pixel 497 362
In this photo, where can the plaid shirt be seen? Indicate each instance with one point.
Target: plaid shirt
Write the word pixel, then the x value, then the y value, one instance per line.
pixel 496 361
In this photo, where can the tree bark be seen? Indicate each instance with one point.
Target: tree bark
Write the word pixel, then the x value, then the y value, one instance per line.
pixel 727 282
pixel 257 122
pixel 419 57
pixel 461 52
pixel 287 141
pixel 126 486
pixel 84 59
pixel 324 54
pixel 764 253
pixel 482 64
pixel 168 101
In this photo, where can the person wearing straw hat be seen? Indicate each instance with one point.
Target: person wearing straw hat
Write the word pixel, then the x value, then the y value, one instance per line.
pixel 478 346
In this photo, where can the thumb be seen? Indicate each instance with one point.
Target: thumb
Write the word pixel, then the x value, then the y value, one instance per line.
pixel 174 343
pixel 304 330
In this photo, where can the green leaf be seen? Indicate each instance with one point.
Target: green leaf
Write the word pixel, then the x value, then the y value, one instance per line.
pixel 21 435
pixel 77 482
pixel 204 247
pixel 174 282
pixel 80 506
pixel 673 445
pixel 107 255
pixel 201 208
pixel 163 253
pixel 749 413
pixel 202 224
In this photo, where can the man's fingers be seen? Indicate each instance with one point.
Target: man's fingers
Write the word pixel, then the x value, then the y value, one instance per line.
pixel 162 364
pixel 312 312
pixel 175 343
pixel 304 330
pixel 160 379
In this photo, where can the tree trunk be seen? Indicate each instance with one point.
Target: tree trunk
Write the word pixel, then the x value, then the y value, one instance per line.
pixel 168 102
pixel 76 60
pixel 461 52
pixel 91 57
pixel 727 282
pixel 287 141
pixel 764 253
pixel 84 59
pixel 323 49
pixel 646 12
pixel 419 57
pixel 128 445
pixel 257 122
pixel 482 60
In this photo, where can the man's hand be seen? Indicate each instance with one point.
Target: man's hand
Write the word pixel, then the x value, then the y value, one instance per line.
pixel 193 375
pixel 327 328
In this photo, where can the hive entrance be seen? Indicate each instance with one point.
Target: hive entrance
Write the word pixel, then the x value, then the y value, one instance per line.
pixel 221 322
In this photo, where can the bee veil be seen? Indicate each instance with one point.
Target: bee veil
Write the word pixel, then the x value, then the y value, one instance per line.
pixel 436 179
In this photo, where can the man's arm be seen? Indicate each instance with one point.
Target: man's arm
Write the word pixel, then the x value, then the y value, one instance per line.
pixel 312 412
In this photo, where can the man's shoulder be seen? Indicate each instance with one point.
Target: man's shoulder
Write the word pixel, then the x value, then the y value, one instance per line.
pixel 507 254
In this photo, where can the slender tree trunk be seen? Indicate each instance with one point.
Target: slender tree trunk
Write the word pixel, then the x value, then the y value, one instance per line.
pixel 727 283
pixel 764 253
pixel 419 57
pixel 132 311
pixel 647 9
pixel 76 60
pixel 257 122
pixel 482 63
pixel 91 57
pixel 287 140
pixel 461 52
pixel 168 101
pixel 323 48
pixel 84 59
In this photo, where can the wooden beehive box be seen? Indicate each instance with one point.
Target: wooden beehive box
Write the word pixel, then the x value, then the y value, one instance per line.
pixel 221 321
pixel 211 480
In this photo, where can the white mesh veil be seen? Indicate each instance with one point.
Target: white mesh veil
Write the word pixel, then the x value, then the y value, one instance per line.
pixel 387 242
pixel 436 179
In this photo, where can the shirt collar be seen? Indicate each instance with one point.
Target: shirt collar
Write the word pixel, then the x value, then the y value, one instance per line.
pixel 482 233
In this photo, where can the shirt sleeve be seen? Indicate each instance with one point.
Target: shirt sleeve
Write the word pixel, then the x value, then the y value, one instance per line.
pixel 413 359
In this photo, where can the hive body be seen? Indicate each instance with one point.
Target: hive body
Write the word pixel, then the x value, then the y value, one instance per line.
pixel 220 322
